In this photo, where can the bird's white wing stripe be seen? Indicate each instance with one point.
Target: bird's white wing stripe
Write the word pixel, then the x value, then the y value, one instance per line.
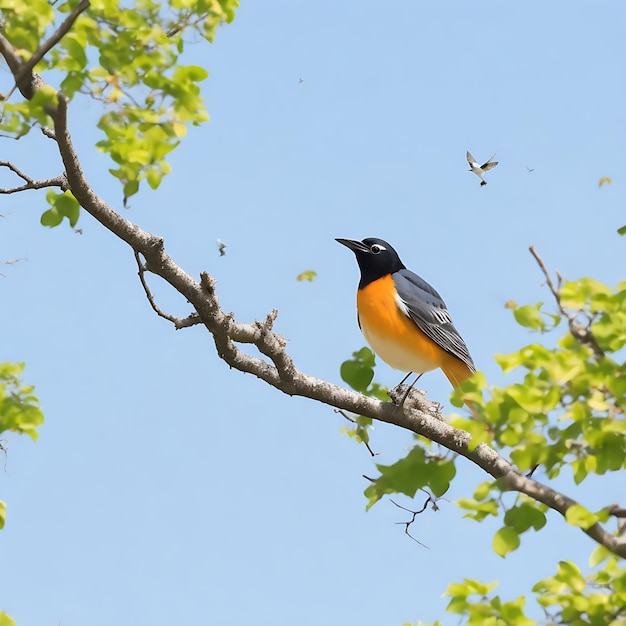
pixel 402 305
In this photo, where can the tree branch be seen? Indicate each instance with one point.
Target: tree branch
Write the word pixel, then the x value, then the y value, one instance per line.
pixel 582 334
pixel 23 71
pixel 415 514
pixel 280 371
pixel 179 322
pixel 29 183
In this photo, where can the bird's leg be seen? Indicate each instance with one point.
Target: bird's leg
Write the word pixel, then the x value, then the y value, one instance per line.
pixel 403 380
pixel 408 391
pixel 393 389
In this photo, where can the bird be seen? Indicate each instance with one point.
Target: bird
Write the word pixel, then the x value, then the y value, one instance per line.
pixel 479 170
pixel 221 247
pixel 403 318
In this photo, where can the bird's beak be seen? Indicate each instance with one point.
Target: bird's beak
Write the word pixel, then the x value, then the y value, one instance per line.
pixel 355 246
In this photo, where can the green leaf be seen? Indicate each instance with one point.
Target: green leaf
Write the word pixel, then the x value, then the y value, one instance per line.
pixel 483 490
pixel 505 540
pixel 309 275
pixel 478 510
pixel 535 399
pixel 361 432
pixel 529 316
pixel 415 471
pixel 441 475
pixel 68 206
pixel 524 516
pixel 513 613
pixel 192 73
pixel 63 205
pixel 358 372
pixel 568 573
pixel 599 554
pixel 5 620
pixel 576 294
pixel 131 188
pixel 3 511
pixel 469 587
pixel 51 218
pixel 508 362
pixel 19 408
pixel 534 452
pixel 357 375
pixel 578 515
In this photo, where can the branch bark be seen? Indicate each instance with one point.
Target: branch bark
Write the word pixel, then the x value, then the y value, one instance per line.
pixel 29 183
pixel 25 80
pixel 273 364
pixel 581 333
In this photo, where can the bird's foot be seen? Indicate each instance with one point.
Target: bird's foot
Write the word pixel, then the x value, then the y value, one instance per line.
pixel 407 395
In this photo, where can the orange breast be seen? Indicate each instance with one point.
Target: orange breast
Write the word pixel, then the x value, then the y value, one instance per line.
pixel 394 337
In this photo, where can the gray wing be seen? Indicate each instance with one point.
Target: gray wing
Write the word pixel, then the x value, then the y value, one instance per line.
pixel 428 310
pixel 470 159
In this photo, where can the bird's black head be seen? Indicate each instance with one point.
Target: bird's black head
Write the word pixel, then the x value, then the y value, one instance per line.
pixel 376 258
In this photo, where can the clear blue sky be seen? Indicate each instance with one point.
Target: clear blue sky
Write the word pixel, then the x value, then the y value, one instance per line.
pixel 167 489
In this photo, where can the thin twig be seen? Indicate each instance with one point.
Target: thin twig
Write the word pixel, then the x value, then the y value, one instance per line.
pixel 48 132
pixel 549 282
pixel 582 334
pixel 179 322
pixel 415 514
pixel 26 69
pixel 367 445
pixel 29 183
pixel 4 448
pixel 617 511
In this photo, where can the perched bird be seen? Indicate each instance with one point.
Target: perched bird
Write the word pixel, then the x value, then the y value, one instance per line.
pixel 479 170
pixel 403 318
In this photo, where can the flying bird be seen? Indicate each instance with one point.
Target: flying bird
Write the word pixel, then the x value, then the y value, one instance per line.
pixel 479 170
pixel 403 318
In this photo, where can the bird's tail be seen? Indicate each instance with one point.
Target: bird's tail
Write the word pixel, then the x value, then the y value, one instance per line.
pixel 456 371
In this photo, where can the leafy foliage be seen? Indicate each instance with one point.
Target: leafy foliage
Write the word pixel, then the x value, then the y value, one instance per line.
pixel 5 620
pixel 565 414
pixel 485 611
pixel 129 59
pixel 358 373
pixel 63 205
pixel 20 412
pixel 568 597
pixel 417 470
pixel 309 275
pixel 569 409
pixel 19 408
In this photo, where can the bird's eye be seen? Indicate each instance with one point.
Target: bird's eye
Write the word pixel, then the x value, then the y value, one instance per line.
pixel 376 249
